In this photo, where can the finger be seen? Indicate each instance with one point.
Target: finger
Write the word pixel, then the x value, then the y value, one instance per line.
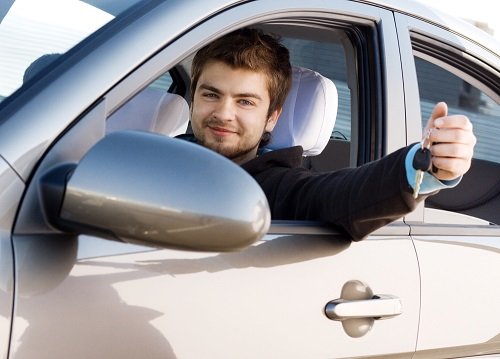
pixel 454 121
pixel 445 175
pixel 450 168
pixel 452 135
pixel 452 150
pixel 440 110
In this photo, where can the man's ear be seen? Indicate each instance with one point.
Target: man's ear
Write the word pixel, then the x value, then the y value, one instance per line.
pixel 273 119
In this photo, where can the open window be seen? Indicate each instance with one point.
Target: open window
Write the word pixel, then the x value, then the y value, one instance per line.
pixel 340 52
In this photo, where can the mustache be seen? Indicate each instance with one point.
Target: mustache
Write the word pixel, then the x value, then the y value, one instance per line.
pixel 216 123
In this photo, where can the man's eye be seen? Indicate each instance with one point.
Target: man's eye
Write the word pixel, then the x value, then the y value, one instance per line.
pixel 210 95
pixel 246 102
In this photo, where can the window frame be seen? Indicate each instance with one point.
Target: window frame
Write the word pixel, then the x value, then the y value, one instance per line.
pixel 382 87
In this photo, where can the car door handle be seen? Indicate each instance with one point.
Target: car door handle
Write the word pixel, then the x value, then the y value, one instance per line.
pixel 358 308
pixel 378 307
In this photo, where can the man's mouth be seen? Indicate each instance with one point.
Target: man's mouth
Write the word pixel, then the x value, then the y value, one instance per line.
pixel 221 131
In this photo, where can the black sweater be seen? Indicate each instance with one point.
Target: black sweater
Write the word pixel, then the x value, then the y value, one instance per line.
pixel 356 200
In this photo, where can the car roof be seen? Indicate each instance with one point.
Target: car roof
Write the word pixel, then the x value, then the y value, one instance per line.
pixel 454 24
pixel 425 13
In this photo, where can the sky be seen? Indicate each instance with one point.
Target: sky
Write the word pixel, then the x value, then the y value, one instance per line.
pixel 477 10
pixel 33 28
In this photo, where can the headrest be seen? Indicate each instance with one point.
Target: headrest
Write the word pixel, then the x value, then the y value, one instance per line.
pixel 308 115
pixel 152 110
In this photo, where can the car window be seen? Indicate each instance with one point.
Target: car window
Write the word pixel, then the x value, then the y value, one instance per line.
pixel 156 108
pixel 479 192
pixel 327 56
pixel 437 84
pixel 163 82
pixel 33 33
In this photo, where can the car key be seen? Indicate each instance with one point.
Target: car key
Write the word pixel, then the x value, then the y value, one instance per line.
pixel 422 161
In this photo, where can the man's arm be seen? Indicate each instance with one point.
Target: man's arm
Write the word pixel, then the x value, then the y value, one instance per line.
pixel 361 200
pixel 355 200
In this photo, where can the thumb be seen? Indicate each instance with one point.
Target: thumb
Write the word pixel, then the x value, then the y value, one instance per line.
pixel 440 110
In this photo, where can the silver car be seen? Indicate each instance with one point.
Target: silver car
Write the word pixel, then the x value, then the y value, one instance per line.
pixel 118 240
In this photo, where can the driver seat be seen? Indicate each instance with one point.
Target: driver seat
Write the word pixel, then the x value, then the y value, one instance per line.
pixel 309 113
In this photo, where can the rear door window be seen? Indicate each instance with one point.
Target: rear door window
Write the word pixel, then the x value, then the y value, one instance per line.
pixel 467 92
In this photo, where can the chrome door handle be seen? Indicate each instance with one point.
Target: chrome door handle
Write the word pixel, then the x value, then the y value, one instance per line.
pixel 358 308
pixel 379 307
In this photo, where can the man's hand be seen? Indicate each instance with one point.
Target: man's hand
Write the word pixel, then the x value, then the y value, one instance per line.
pixel 452 143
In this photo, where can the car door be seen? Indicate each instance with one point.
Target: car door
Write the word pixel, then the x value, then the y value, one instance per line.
pixel 10 191
pixel 88 296
pixel 456 235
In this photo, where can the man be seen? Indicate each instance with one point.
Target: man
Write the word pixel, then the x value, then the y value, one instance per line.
pixel 239 85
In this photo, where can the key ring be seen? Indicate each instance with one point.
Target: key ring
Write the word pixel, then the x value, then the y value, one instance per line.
pixel 426 142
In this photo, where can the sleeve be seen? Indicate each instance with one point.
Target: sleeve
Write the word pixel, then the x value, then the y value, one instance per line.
pixel 429 183
pixel 355 200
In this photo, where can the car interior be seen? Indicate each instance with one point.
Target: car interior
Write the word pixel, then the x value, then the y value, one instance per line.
pixel 482 201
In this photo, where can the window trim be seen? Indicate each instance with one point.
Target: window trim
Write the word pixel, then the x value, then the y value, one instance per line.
pixel 397 228
pixel 458 62
pixel 370 104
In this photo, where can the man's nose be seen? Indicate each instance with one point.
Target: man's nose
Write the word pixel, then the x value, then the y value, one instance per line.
pixel 225 110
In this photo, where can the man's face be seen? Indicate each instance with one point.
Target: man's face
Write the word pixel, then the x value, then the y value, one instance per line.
pixel 229 111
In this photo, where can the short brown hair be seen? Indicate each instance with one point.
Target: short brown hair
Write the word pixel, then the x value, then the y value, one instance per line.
pixel 254 50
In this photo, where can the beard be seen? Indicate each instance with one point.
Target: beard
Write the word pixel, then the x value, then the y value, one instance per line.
pixel 234 150
pixel 231 151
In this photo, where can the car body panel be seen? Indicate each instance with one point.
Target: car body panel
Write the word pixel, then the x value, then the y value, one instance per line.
pixel 80 296
pixel 456 271
pixel 30 307
pixel 155 292
pixel 11 189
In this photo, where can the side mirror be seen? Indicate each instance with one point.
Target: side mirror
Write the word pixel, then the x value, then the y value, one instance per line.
pixel 146 188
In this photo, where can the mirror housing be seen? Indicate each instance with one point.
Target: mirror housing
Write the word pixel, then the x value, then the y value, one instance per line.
pixel 149 189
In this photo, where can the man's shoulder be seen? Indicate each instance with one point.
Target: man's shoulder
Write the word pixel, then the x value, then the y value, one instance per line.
pixel 290 157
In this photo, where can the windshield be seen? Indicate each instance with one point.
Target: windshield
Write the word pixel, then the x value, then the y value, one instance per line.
pixel 35 32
